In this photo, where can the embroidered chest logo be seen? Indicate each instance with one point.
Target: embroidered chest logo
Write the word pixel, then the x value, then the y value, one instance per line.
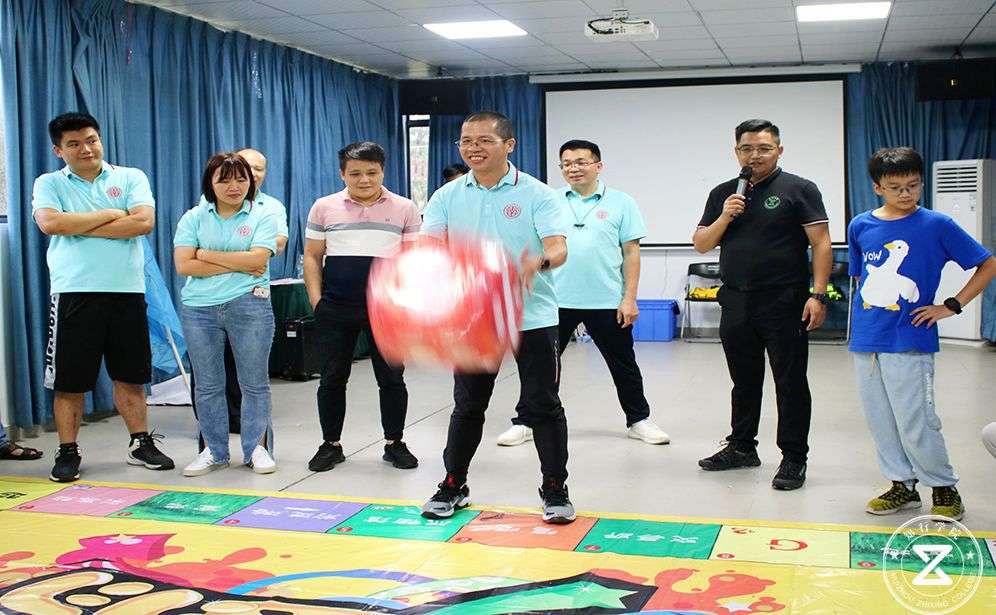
pixel 772 202
pixel 114 192
pixel 601 214
pixel 512 211
pixel 244 230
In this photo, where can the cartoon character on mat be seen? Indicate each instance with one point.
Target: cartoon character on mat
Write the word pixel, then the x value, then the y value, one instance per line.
pixel 885 285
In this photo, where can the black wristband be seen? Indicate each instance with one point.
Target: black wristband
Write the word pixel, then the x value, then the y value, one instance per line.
pixel 545 265
pixel 953 304
pixel 821 297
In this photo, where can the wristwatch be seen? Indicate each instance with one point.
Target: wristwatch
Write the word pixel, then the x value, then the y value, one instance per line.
pixel 821 297
pixel 953 304
pixel 545 265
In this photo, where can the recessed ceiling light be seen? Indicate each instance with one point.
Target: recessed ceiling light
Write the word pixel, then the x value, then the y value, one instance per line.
pixel 475 29
pixel 843 12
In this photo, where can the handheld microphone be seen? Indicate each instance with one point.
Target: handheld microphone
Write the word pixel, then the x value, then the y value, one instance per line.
pixel 743 178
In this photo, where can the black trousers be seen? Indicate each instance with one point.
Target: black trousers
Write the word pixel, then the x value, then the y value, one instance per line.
pixel 755 322
pixel 616 345
pixel 337 329
pixel 538 361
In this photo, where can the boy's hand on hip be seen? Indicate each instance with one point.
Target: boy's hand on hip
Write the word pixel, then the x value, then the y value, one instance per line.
pixel 930 314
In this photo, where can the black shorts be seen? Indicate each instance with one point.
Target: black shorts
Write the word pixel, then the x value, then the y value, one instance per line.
pixel 84 328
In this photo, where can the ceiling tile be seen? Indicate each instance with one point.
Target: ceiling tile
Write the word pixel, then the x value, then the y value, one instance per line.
pixel 832 27
pixel 926 36
pixel 939 7
pixel 912 53
pixel 692 45
pixel 713 5
pixel 835 54
pixel 408 32
pixel 394 5
pixel 279 25
pixel 503 43
pixel 840 38
pixel 691 63
pixel 550 24
pixel 550 8
pixel 441 46
pixel 449 14
pixel 638 7
pixel 366 19
pixel 678 54
pixel 595 49
pixel 319 7
pixel 323 38
pixel 756 42
pixel 635 63
pixel 982 36
pixel 571 67
pixel 768 55
pixel 928 22
pixel 234 10
pixel 744 16
pixel 674 19
pixel 755 29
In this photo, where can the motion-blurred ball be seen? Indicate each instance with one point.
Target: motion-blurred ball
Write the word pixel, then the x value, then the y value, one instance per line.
pixel 456 305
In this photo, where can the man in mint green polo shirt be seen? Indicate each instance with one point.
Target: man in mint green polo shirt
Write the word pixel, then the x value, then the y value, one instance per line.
pixel 598 285
pixel 497 201
pixel 95 213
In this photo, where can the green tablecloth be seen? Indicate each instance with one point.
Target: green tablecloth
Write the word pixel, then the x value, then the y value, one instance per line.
pixel 290 302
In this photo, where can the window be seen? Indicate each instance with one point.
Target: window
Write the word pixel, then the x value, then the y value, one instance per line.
pixel 418 159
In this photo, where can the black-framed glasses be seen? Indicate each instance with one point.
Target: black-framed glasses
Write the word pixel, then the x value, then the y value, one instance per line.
pixel 897 191
pixel 580 164
pixel 480 142
pixel 764 150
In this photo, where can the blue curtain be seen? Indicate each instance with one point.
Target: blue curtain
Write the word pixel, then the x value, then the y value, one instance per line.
pixel 168 91
pixel 883 112
pixel 512 96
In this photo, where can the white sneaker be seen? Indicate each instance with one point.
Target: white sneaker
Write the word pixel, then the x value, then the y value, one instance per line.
pixel 262 462
pixel 203 464
pixel 515 435
pixel 649 432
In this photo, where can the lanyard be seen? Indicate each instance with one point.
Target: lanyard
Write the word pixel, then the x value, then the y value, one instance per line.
pixel 579 223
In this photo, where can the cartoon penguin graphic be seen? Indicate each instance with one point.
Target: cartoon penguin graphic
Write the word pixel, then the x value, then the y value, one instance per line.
pixel 884 285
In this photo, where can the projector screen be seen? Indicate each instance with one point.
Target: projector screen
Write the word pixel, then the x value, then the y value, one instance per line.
pixel 668 146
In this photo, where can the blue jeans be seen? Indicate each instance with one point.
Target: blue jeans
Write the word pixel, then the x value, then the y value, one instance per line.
pixel 247 323
pixel 4 440
pixel 897 393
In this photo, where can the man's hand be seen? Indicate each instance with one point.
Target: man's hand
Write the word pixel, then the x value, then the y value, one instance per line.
pixel 627 312
pixel 528 266
pixel 116 214
pixel 814 312
pixel 930 314
pixel 733 206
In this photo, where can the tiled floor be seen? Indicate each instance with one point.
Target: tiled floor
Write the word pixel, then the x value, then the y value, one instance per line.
pixel 688 387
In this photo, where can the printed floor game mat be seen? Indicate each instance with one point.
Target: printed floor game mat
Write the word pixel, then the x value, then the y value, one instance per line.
pixel 121 549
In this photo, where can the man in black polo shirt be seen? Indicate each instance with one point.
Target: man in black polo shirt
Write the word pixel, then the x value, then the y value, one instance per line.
pixel 765 296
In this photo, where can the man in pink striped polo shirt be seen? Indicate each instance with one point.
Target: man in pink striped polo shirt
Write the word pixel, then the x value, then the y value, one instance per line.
pixel 348 230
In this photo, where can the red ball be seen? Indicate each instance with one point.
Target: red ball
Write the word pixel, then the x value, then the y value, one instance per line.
pixel 456 305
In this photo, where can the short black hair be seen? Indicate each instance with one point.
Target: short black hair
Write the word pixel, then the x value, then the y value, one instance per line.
pixel 756 126
pixel 367 151
pixel 68 122
pixel 455 170
pixel 503 125
pixel 581 144
pixel 231 164
pixel 895 162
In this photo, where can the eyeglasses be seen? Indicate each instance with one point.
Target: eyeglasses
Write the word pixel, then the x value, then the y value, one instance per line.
pixel 897 191
pixel 579 164
pixel 763 150
pixel 481 142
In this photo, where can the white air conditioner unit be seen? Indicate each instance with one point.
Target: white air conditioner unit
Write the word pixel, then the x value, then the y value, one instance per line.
pixel 966 191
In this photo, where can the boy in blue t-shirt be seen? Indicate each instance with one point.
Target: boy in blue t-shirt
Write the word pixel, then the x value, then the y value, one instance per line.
pixel 897 253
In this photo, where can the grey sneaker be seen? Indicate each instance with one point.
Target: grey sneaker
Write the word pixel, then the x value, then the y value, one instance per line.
pixel 557 507
pixel 450 498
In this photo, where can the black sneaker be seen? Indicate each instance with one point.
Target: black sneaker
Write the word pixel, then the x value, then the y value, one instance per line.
pixel 398 455
pixel 67 464
pixel 327 457
pixel 790 475
pixel 557 507
pixel 730 457
pixel 142 451
pixel 450 498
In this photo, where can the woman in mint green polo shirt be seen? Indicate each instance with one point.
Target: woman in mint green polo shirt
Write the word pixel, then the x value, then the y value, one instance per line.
pixel 223 246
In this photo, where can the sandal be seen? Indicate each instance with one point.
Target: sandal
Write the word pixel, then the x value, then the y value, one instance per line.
pixel 23 453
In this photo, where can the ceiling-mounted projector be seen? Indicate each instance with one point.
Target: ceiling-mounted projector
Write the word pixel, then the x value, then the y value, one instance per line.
pixel 621 27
